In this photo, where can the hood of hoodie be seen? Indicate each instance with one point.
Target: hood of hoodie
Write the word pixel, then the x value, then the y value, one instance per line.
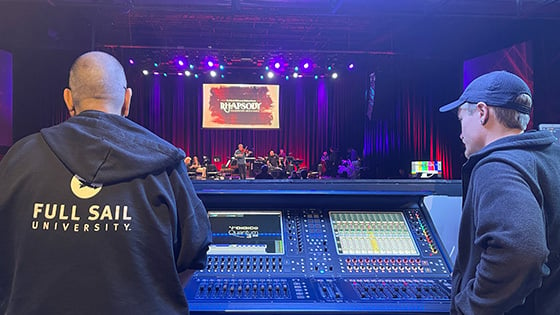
pixel 522 144
pixel 526 141
pixel 104 148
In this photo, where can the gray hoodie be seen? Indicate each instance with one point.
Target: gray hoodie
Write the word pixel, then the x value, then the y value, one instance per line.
pixel 509 237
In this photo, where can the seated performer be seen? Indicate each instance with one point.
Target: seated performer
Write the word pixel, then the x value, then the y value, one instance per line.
pixel 197 167
pixel 282 156
pixel 273 160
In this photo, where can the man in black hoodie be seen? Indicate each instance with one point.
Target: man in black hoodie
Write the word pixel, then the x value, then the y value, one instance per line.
pixel 98 215
pixel 509 242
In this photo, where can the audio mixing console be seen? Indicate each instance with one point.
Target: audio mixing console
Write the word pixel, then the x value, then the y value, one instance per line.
pixel 383 259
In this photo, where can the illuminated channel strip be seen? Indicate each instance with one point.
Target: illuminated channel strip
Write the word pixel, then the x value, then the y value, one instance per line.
pixel 427 235
pixel 372 233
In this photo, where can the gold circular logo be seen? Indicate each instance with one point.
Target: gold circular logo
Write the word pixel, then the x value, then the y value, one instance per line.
pixel 83 190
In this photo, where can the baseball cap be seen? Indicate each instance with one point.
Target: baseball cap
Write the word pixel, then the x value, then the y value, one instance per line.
pixel 498 88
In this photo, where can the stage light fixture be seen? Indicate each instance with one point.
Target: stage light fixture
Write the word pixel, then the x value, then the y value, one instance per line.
pixel 287 77
pixel 270 74
pixel 145 72
pixel 221 67
pixel 180 74
pixel 295 75
pixel 180 62
pixel 222 76
pixel 213 74
pixel 165 74
pixel 266 68
pixel 156 73
pixel 277 65
pixel 196 75
pixel 296 68
pixel 131 61
pixel 329 68
pixel 306 65
pixel 316 77
pixel 156 64
pixel 210 63
pixel 262 77
pixel 351 66
pixel 191 67
pixel 188 73
pixel 334 75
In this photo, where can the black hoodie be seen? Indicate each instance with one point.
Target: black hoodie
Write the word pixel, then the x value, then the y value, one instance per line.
pixel 509 237
pixel 98 216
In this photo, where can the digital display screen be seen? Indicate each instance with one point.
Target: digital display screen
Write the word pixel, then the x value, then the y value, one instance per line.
pixel 426 167
pixel 246 233
pixel 372 233
pixel 554 128
pixel 241 106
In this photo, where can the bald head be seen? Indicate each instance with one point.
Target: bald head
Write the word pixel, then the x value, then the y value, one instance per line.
pixel 97 82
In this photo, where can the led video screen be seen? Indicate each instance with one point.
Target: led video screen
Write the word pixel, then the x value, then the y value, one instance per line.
pixel 241 106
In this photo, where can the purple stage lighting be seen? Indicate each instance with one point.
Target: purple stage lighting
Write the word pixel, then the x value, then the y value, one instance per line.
pixel 180 62
pixel 351 66
pixel 277 63
pixel 210 62
pixel 131 61
pixel 306 65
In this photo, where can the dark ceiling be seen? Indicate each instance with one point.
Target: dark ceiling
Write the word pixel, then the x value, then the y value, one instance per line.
pixel 252 31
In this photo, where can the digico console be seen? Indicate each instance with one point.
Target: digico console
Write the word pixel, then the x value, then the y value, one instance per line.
pixel 367 257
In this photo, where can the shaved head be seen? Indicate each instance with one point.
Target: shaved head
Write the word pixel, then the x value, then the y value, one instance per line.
pixel 97 82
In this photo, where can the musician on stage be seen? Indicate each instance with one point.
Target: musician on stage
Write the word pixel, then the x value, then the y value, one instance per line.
pixel 282 156
pixel 273 160
pixel 240 154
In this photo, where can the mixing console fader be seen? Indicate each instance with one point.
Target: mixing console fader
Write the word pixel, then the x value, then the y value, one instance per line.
pixel 322 260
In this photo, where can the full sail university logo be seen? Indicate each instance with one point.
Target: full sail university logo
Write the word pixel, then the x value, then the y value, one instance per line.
pixel 82 189
pixel 81 218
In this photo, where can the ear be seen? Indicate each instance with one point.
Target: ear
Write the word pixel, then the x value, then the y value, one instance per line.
pixel 69 102
pixel 483 112
pixel 126 105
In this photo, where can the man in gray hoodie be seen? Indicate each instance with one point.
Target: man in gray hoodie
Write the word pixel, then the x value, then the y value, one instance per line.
pixel 509 242
pixel 98 215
